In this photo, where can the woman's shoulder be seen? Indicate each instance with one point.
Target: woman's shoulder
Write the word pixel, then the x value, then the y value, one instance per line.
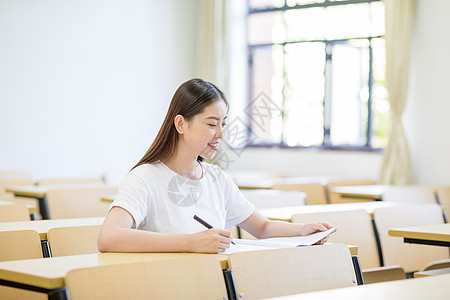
pixel 146 170
pixel 214 171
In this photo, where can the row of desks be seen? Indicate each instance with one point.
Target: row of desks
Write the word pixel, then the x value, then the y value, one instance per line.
pixel 40 193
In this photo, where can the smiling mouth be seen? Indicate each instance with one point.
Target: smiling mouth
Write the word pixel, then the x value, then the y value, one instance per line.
pixel 213 146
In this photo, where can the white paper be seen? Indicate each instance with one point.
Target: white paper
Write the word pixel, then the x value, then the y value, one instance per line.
pixel 243 245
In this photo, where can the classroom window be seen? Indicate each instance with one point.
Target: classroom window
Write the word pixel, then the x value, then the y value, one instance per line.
pixel 321 64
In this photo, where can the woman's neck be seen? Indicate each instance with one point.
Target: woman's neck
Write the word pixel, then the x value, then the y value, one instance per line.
pixel 189 168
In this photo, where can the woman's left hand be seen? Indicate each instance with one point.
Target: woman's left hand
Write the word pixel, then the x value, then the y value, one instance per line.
pixel 309 228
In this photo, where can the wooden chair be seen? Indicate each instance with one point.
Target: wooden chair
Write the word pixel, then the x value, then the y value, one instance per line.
pixel 336 198
pixel 79 202
pixel 56 181
pixel 14 213
pixel 411 257
pixel 315 191
pixel 20 244
pixel 279 272
pixel 17 245
pixel 64 241
pixel 355 228
pixel 409 194
pixel 195 277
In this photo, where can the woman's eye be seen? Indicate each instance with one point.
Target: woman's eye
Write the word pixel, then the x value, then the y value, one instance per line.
pixel 212 125
pixel 224 124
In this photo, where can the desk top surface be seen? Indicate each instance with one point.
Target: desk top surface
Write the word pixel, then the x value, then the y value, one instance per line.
pixel 286 213
pixel 372 191
pixel 43 226
pixel 31 208
pixel 430 287
pixel 38 191
pixel 440 232
pixel 50 272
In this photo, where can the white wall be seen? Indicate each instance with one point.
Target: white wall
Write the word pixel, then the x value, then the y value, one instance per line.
pixel 84 85
pixel 427 115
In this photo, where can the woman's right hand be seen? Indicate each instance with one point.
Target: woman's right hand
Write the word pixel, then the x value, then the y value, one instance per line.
pixel 211 241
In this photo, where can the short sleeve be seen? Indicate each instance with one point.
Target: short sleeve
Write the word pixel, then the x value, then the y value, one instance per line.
pixel 133 196
pixel 238 208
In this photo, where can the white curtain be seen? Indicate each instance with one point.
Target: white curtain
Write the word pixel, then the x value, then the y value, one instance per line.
pixel 212 47
pixel 396 165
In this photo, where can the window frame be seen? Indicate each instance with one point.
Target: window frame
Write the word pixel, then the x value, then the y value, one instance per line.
pixel 326 145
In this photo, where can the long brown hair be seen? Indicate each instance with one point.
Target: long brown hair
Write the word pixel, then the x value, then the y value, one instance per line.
pixel 190 99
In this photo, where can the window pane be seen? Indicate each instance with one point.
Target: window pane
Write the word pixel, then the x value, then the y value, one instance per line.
pixel 381 109
pixel 349 96
pixel 264 28
pixel 303 125
pixel 305 24
pixel 258 4
pixel 300 2
pixel 267 86
pixel 335 22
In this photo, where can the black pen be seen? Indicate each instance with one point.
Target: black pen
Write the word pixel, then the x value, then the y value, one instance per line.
pixel 201 221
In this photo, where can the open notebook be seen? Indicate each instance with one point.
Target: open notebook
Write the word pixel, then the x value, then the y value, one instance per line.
pixel 243 245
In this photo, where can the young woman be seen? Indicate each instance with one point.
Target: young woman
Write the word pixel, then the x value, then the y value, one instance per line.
pixel 154 207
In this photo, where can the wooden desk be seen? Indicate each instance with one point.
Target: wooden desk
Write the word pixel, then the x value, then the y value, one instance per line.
pixel 47 274
pixel 40 193
pixel 431 287
pixel 374 192
pixel 251 185
pixel 286 213
pixel 437 235
pixel 43 226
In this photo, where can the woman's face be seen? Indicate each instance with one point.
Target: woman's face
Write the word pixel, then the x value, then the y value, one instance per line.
pixel 205 130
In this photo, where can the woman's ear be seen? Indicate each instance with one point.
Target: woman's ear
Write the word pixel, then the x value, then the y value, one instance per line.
pixel 179 123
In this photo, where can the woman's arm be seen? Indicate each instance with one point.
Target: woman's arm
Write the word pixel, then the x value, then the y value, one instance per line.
pixel 261 227
pixel 117 235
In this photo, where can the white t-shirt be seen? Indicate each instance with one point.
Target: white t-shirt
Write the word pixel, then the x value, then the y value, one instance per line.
pixel 161 200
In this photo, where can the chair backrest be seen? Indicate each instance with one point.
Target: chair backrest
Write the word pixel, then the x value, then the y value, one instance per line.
pixel 409 194
pixel 395 252
pixel 20 244
pixel 279 272
pixel 354 228
pixel 315 192
pixel 270 198
pixel 80 202
pixel 195 277
pixel 64 241
pixel 443 195
pixel 55 181
pixel 336 198
pixel 14 213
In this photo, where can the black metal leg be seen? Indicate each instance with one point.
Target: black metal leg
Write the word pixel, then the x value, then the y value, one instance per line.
pixel 59 294
pixel 238 229
pixel 45 249
pixel 229 282
pixel 377 239
pixel 358 272
pixel 43 208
